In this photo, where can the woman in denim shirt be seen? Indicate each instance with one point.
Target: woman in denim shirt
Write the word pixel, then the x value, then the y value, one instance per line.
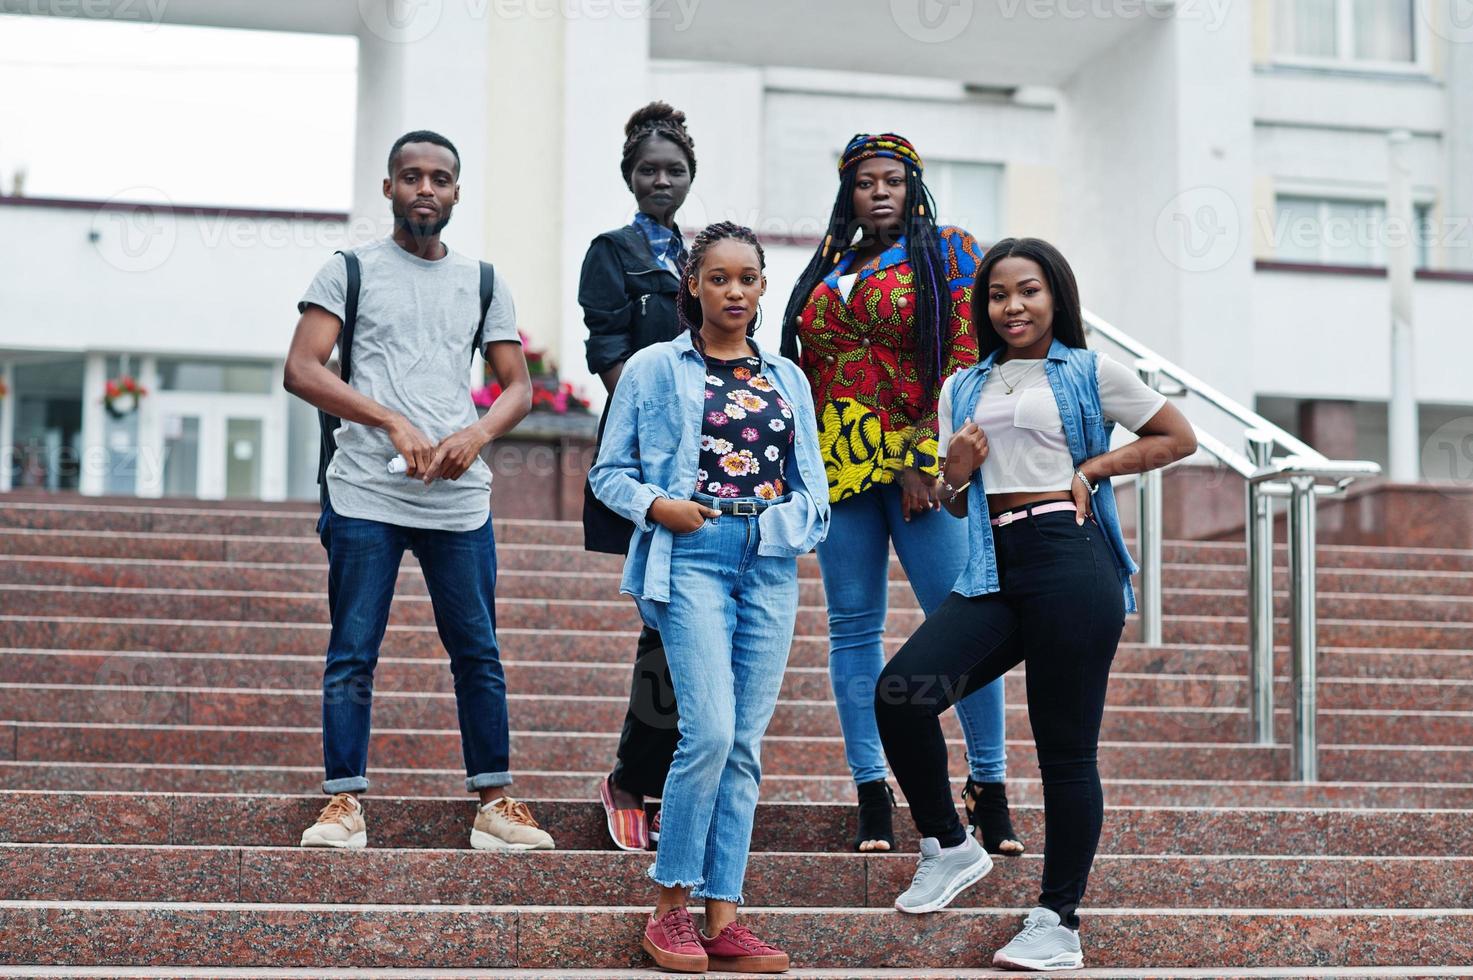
pixel 1047 580
pixel 711 450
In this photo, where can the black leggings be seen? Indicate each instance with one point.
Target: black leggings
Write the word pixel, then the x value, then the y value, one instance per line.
pixel 1061 609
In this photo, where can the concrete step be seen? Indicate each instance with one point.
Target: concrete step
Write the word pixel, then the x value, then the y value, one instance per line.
pixel 202 819
pixel 535 571
pixel 545 937
pixel 103 704
pixel 229 779
pixel 412 675
pixel 785 755
pixel 380 876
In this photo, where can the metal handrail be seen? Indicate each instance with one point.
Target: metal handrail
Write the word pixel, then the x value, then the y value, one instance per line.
pixel 1296 476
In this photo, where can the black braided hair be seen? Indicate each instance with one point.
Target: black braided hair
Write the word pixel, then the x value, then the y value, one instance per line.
pixel 656 119
pixel 688 307
pixel 932 306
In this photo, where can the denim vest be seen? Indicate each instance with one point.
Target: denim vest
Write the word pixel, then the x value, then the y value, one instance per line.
pixel 652 446
pixel 1072 376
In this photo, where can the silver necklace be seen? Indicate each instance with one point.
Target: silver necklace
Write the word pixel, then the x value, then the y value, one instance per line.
pixel 1011 387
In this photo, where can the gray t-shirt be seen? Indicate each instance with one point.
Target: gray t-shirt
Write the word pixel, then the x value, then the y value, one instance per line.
pixel 412 354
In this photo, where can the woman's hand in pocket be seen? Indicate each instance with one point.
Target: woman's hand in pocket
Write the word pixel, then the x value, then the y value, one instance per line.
pixel 680 516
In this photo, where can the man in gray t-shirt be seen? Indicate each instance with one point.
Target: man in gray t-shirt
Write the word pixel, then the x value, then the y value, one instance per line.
pixel 419 308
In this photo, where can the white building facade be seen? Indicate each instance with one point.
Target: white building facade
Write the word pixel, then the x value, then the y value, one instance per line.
pixel 1216 173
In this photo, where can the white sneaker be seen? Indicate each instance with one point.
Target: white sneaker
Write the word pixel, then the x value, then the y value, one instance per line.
pixel 507 825
pixel 1044 943
pixel 340 824
pixel 942 874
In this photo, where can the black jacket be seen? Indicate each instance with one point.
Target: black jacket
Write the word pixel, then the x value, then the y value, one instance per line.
pixel 628 301
pixel 628 298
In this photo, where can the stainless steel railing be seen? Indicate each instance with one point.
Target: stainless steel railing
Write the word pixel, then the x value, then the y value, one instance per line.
pixel 1301 476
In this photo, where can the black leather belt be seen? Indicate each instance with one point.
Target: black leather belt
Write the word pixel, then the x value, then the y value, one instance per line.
pixel 740 506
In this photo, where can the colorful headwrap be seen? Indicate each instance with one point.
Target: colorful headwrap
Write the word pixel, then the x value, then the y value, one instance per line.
pixel 864 146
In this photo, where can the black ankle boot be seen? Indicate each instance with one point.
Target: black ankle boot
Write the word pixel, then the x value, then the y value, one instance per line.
pixel 987 811
pixel 876 803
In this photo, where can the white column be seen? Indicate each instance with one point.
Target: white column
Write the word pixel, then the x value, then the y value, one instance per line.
pixel 150 468
pixel 605 78
pixel 421 66
pixel 1402 431
pixel 7 425
pixel 93 466
pixel 1155 151
pixel 274 442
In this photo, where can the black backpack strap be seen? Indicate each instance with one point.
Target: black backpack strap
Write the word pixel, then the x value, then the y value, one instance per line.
pixel 488 289
pixel 328 424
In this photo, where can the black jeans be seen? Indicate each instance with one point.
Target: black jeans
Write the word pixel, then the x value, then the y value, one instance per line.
pixel 651 732
pixel 1062 610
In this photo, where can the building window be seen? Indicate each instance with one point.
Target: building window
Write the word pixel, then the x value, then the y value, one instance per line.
pixel 968 195
pixel 1327 231
pixel 1349 33
pixel 215 377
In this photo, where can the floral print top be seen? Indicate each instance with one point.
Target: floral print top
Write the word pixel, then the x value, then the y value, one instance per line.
pixel 746 432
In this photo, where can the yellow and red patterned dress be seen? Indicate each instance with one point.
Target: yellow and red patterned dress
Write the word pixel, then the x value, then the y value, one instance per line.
pixel 874 419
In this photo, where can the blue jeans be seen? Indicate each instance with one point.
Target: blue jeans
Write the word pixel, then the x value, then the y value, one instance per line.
pixel 727 629
pixel 460 575
pixel 855 563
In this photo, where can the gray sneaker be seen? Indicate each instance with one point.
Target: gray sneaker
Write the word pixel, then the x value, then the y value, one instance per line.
pixel 943 873
pixel 1044 944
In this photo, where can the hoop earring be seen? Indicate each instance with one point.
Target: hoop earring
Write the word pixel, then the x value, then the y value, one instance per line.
pixel 756 323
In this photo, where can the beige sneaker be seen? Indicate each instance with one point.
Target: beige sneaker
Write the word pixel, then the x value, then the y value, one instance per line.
pixel 506 825
pixel 340 824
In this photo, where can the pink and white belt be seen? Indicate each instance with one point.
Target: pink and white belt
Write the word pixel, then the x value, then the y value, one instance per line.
pixel 1008 517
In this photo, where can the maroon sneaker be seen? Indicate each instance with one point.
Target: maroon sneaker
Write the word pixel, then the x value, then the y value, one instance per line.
pixel 671 940
pixel 735 949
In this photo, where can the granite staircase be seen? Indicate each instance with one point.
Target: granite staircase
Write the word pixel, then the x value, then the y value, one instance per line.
pixel 160 752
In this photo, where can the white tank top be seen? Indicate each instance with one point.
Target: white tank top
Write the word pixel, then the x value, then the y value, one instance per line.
pixel 1027 451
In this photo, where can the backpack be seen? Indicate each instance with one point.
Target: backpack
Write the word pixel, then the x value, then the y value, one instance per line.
pixel 328 424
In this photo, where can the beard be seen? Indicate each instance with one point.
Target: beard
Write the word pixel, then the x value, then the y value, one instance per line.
pixel 422 229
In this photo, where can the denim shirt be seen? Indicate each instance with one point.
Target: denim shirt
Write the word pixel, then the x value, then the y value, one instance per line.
pixel 652 447
pixel 1072 376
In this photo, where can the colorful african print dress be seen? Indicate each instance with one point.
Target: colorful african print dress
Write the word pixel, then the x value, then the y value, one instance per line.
pixel 874 417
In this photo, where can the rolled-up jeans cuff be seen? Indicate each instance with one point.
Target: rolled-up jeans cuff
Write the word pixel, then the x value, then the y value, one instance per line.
pixel 348 784
pixel 487 779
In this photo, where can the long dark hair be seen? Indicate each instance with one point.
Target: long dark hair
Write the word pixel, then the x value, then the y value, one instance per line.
pixel 922 248
pixel 688 307
pixel 1068 323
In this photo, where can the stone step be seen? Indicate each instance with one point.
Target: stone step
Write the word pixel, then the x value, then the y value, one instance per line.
pixel 203 819
pixel 877 973
pixel 413 675
pixel 108 704
pixel 529 572
pixel 1434 679
pixel 225 780
pixel 379 876
pixel 302 545
pixel 565 602
pixel 593 937
pixel 786 755
pixel 124 632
